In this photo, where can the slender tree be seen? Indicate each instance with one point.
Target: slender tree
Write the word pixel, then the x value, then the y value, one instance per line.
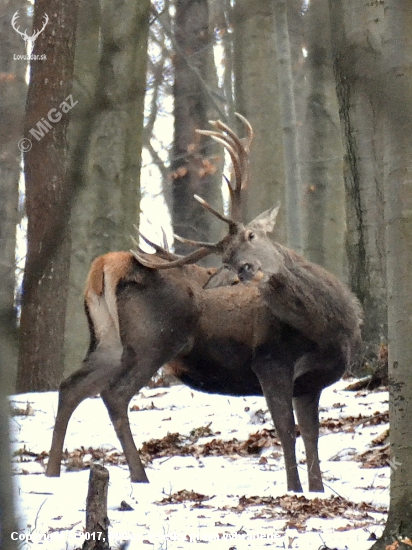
pixel 293 182
pixel 257 97
pixel 393 81
pixel 321 151
pixel 193 169
pixel 13 91
pixel 106 142
pixel 357 50
pixel 48 197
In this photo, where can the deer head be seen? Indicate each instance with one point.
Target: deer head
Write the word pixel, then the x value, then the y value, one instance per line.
pixel 29 39
pixel 243 241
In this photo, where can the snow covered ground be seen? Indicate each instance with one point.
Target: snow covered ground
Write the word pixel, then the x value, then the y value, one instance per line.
pixel 204 498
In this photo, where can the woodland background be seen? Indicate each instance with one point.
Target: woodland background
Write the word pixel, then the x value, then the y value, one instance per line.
pixel 327 87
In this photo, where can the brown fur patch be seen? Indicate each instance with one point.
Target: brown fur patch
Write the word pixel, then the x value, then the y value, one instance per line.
pixel 118 264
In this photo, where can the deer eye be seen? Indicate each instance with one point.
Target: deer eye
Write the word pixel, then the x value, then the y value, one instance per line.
pixel 250 235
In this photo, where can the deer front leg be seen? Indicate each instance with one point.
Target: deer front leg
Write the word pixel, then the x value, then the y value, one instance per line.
pixel 307 412
pixel 276 381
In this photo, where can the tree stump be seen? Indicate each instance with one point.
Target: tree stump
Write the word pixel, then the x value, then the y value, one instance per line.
pixel 97 534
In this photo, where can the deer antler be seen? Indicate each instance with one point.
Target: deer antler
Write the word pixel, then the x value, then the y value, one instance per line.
pixel 172 260
pixel 184 260
pixel 238 149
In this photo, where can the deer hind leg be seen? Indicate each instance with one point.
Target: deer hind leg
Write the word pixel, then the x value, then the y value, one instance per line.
pixel 307 411
pixel 117 398
pixel 97 371
pixel 275 379
pixel 313 372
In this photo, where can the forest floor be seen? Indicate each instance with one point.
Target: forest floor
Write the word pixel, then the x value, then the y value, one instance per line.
pixel 216 473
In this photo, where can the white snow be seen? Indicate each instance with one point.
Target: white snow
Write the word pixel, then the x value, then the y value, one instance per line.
pixel 56 506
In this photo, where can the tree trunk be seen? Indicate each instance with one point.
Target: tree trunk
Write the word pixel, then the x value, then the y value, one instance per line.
pixel 106 138
pixel 193 107
pixel 255 65
pixel 12 97
pixel 13 91
pixel 97 522
pixel 48 199
pixel 321 149
pixel 356 46
pixel 394 80
pixel 293 183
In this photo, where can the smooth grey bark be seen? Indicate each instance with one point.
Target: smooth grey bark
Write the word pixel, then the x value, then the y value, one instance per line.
pixel 107 134
pixel 321 151
pixel 293 183
pixel 84 85
pixel 357 49
pixel 256 97
pixel 394 80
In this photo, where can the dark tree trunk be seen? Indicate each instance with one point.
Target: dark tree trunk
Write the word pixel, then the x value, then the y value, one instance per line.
pixel 48 199
pixel 97 522
pixel 191 171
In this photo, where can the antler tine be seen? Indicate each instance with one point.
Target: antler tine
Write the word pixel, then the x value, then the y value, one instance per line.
pixel 189 259
pixel 231 147
pixel 242 145
pixel 235 139
pixel 163 253
pixel 233 225
pixel 209 246
pixel 165 243
pixel 249 129
pixel 229 186
pixel 238 149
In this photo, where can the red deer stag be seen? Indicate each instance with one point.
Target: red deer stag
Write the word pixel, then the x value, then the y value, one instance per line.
pixel 219 339
pixel 300 295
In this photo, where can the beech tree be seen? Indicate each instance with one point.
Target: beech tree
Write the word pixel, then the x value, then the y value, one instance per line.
pixel 255 59
pixel 393 84
pixel 357 49
pixel 106 134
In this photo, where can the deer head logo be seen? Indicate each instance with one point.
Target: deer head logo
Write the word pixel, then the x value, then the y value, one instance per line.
pixel 29 39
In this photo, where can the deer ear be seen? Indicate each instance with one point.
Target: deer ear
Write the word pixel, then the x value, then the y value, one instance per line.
pixel 265 221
